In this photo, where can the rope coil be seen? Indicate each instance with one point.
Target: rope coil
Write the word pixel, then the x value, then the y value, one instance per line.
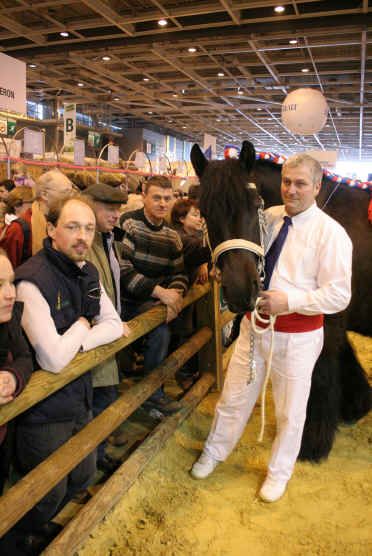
pixel 255 316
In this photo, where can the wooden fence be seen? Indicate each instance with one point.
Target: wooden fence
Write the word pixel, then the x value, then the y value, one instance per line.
pixel 206 342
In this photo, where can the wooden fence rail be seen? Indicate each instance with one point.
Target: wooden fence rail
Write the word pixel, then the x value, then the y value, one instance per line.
pixel 18 500
pixel 43 383
pixel 35 485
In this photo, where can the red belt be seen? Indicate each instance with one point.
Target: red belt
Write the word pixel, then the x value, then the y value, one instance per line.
pixel 294 322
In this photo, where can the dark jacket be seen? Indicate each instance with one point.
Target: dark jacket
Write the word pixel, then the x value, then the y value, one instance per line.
pixel 194 254
pixel 64 286
pixel 15 356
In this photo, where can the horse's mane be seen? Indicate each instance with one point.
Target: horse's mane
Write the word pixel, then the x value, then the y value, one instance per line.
pixel 223 187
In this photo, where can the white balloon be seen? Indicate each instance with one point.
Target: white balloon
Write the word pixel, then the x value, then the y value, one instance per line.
pixel 304 111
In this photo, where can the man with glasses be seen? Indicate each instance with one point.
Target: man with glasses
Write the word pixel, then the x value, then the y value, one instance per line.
pixel 153 272
pixel 66 311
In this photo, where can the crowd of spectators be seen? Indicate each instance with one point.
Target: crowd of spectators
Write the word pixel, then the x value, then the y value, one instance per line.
pixel 78 274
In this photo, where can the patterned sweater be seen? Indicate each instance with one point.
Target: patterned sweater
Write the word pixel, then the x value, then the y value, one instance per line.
pixel 152 256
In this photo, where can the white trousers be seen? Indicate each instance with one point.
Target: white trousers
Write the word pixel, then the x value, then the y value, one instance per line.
pixel 294 357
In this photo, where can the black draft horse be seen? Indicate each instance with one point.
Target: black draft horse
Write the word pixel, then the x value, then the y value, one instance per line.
pixel 339 391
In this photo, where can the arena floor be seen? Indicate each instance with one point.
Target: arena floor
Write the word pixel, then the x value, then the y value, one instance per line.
pixel 326 510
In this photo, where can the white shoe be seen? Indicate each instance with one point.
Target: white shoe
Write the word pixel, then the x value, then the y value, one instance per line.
pixel 203 467
pixel 272 490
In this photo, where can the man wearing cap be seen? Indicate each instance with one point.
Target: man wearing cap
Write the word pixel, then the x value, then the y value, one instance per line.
pixel 105 253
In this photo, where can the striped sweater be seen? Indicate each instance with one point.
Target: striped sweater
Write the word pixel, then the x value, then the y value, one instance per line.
pixel 152 256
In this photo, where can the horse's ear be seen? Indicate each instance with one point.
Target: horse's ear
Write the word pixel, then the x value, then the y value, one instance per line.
pixel 198 160
pixel 247 156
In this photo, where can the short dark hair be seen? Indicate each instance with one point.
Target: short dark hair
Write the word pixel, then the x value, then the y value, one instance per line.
pixel 180 209
pixel 157 181
pixel 12 204
pixel 56 208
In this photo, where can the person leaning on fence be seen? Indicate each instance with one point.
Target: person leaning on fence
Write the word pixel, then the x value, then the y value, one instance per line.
pixel 15 357
pixel 152 272
pixel 186 220
pixel 66 311
pixel 106 254
pixel 308 273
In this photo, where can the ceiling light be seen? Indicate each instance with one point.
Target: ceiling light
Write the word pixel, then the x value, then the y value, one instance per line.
pixel 32 66
pixel 240 92
pixel 80 84
pixel 293 41
pixel 279 9
pixel 174 95
pixel 305 70
pixel 170 121
pixel 149 112
pixel 221 74
pixel 116 98
pixel 106 58
pixel 259 109
pixel 184 127
pixel 183 91
pixel 192 49
pixel 146 79
pixel 162 22
pixel 218 120
pixel 64 34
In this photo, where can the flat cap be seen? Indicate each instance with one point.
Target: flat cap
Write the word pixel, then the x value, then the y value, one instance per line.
pixel 106 193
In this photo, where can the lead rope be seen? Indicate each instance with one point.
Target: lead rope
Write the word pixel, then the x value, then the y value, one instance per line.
pixel 258 330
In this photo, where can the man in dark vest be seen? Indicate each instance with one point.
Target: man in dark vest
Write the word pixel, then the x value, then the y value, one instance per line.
pixel 65 311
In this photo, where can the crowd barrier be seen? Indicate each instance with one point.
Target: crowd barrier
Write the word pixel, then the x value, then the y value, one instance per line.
pixel 206 342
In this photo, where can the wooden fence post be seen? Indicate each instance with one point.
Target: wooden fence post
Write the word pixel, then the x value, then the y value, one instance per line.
pixel 208 314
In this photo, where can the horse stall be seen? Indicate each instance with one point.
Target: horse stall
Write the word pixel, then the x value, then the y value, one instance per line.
pixel 31 488
pixel 151 505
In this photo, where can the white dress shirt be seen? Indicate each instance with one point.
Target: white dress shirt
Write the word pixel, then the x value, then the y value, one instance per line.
pixel 54 351
pixel 314 266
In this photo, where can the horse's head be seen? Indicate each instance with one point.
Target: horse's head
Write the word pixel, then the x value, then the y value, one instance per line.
pixel 232 208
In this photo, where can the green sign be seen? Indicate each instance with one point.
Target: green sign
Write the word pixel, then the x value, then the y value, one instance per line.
pixel 11 128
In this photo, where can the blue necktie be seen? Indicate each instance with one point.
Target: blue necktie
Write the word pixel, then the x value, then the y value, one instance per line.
pixel 273 253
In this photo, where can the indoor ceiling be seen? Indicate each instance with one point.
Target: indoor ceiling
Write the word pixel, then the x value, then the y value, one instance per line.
pixel 115 59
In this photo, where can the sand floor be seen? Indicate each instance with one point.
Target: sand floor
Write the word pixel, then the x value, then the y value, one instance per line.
pixel 327 509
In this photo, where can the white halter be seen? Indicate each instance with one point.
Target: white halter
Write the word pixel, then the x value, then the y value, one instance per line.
pixel 232 244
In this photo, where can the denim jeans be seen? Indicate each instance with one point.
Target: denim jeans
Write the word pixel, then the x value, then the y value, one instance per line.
pixel 156 342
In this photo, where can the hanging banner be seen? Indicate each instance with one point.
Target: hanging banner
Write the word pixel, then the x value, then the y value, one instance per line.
pixel 210 146
pixel 113 154
pixel 94 139
pixel 12 84
pixel 69 125
pixel 79 152
pixel 33 142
